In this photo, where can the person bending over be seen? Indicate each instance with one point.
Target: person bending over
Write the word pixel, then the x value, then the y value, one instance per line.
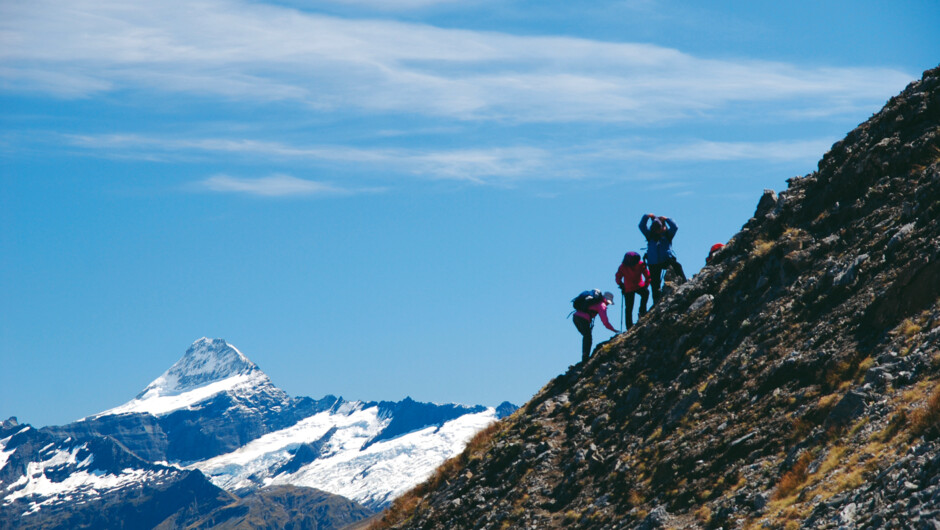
pixel 588 305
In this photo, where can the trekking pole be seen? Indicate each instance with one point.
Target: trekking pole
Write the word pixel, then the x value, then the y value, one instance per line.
pixel 623 309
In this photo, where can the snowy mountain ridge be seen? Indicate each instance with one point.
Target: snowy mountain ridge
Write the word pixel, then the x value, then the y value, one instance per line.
pixel 84 480
pixel 214 427
pixel 45 477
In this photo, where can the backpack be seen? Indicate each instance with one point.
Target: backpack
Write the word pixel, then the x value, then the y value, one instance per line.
pixel 586 299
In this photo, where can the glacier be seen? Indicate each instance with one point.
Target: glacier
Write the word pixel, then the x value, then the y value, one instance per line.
pixel 372 475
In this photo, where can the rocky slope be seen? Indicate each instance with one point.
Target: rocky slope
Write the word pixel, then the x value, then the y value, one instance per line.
pixel 793 382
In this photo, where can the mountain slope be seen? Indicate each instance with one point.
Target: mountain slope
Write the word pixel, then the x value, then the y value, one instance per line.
pixel 792 382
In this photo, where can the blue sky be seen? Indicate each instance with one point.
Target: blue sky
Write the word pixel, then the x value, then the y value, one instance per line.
pixel 385 199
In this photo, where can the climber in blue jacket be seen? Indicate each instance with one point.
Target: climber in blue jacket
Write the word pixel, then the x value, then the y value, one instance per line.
pixel 659 232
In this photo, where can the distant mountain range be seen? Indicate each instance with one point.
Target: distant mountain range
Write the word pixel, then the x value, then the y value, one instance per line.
pixel 213 443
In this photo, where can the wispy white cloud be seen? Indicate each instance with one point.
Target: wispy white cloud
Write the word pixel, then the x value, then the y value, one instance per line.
pixel 776 151
pixel 250 53
pixel 271 186
pixel 697 150
pixel 395 5
pixel 486 165
pixel 472 165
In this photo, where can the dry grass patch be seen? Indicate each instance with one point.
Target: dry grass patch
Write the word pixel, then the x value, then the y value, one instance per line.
pixel 635 498
pixel 801 428
pixel 481 441
pixel 895 425
pixel 833 460
pixel 925 420
pixel 865 365
pixel 911 420
pixel 908 328
pixel 730 277
pixel 786 516
pixel 828 401
pixel 847 466
pixel 761 248
pixel 843 470
pixel 703 515
pixel 795 477
pixel 838 373
pixel 402 510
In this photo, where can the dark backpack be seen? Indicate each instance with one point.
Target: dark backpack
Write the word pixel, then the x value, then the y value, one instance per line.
pixel 586 299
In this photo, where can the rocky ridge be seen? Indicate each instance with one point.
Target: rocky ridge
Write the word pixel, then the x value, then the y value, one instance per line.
pixel 793 382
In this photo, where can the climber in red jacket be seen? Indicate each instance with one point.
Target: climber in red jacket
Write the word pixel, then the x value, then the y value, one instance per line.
pixel 633 278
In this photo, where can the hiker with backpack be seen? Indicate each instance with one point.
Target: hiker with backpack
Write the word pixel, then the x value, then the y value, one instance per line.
pixel 588 305
pixel 659 232
pixel 633 278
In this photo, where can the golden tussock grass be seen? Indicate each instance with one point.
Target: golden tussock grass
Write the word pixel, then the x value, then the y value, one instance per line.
pixel 925 420
pixel 762 248
pixel 909 328
pixel 635 498
pixel 795 477
pixel 704 515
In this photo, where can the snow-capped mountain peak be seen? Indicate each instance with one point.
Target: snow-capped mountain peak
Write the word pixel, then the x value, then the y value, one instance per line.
pixel 206 361
pixel 208 368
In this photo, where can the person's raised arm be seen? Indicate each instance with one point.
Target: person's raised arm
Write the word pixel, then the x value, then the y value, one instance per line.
pixel 644 224
pixel 671 226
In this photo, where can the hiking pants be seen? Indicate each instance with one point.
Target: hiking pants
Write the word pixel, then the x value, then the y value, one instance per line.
pixel 656 275
pixel 629 297
pixel 584 327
